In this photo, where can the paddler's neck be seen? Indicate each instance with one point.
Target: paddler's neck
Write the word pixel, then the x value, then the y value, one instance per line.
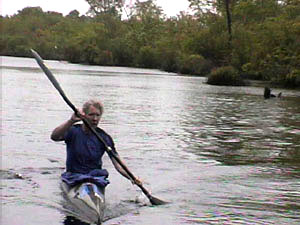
pixel 86 129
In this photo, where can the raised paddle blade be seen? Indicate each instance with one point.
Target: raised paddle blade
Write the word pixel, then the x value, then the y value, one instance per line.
pixel 53 80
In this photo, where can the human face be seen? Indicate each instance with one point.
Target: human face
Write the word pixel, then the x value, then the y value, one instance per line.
pixel 93 115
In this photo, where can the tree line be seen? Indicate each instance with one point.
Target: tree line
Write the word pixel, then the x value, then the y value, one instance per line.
pixel 226 40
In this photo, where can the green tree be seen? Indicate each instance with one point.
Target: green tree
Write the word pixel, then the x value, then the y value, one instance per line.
pixel 73 14
pixel 147 10
pixel 264 41
pixel 113 7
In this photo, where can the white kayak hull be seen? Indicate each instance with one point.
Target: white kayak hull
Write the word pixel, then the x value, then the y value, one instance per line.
pixel 88 198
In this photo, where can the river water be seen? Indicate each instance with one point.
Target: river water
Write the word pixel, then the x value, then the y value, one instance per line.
pixel 219 155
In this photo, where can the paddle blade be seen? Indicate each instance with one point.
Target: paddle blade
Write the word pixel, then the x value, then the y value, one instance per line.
pixel 156 201
pixel 52 79
pixel 48 73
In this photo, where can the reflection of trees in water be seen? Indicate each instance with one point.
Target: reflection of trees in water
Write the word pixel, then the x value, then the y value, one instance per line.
pixel 243 129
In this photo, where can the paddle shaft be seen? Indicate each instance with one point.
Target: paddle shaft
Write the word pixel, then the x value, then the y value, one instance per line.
pixel 107 148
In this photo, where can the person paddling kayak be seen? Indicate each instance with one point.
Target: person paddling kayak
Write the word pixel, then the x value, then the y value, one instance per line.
pixel 62 131
pixel 84 150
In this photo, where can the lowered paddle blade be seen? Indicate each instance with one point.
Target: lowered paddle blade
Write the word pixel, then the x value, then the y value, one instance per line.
pixel 152 199
pixel 156 201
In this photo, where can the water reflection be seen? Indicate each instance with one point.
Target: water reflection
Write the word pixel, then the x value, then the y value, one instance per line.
pixel 70 220
pixel 243 129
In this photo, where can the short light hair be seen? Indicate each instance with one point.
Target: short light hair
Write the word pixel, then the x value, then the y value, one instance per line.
pixel 96 103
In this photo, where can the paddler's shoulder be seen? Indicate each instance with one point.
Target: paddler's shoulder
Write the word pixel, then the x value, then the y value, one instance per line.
pixel 105 135
pixel 101 131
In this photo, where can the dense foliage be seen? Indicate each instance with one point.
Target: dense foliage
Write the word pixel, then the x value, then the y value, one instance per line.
pixel 263 42
pixel 226 75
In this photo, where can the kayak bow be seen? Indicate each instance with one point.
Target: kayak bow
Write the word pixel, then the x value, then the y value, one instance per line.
pixel 88 198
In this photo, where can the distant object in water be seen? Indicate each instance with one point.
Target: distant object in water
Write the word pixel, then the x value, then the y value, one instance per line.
pixel 267 94
pixel 279 95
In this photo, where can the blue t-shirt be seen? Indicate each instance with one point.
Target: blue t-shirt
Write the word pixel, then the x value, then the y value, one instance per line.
pixel 84 150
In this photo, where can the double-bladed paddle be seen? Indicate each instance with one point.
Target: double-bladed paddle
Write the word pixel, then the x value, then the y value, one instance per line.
pixel 152 199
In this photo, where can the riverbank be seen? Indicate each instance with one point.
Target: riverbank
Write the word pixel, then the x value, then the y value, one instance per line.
pixel 270 84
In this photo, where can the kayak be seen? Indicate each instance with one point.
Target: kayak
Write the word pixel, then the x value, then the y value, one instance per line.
pixel 88 198
pixel 85 193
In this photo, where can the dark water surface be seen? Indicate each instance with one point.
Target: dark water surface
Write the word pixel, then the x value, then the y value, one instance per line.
pixel 220 155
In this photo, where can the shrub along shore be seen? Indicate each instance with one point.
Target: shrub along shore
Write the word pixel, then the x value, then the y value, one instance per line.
pixel 261 44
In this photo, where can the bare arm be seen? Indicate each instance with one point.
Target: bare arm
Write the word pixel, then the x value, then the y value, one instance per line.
pixel 123 172
pixel 119 168
pixel 59 132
